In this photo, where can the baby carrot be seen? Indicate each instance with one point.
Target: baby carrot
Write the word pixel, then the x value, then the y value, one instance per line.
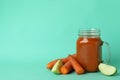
pixel 64 60
pixel 76 66
pixel 66 68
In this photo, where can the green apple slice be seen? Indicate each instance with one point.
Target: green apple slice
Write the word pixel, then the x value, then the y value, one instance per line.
pixel 56 67
pixel 107 69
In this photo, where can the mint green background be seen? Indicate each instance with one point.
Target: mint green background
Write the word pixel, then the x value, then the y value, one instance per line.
pixel 34 32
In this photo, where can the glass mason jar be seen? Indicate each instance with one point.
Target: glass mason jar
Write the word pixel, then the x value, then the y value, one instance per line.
pixel 89 49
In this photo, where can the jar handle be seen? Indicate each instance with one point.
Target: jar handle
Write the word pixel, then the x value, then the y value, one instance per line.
pixel 108 52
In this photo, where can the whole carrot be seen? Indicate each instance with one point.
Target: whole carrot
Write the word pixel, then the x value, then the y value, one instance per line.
pixel 76 66
pixel 66 68
pixel 52 63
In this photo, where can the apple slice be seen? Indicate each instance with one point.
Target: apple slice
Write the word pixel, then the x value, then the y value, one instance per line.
pixel 107 69
pixel 56 67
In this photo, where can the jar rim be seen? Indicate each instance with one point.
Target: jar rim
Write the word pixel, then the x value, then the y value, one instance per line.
pixel 91 31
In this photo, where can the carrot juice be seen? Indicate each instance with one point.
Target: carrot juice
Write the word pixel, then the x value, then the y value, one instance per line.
pixel 88 49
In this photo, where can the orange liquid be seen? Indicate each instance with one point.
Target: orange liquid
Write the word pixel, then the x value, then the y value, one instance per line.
pixel 89 53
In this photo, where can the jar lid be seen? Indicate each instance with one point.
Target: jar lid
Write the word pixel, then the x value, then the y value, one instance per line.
pixel 89 32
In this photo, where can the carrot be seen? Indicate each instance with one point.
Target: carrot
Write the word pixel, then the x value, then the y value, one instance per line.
pixel 76 66
pixel 64 60
pixel 66 68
